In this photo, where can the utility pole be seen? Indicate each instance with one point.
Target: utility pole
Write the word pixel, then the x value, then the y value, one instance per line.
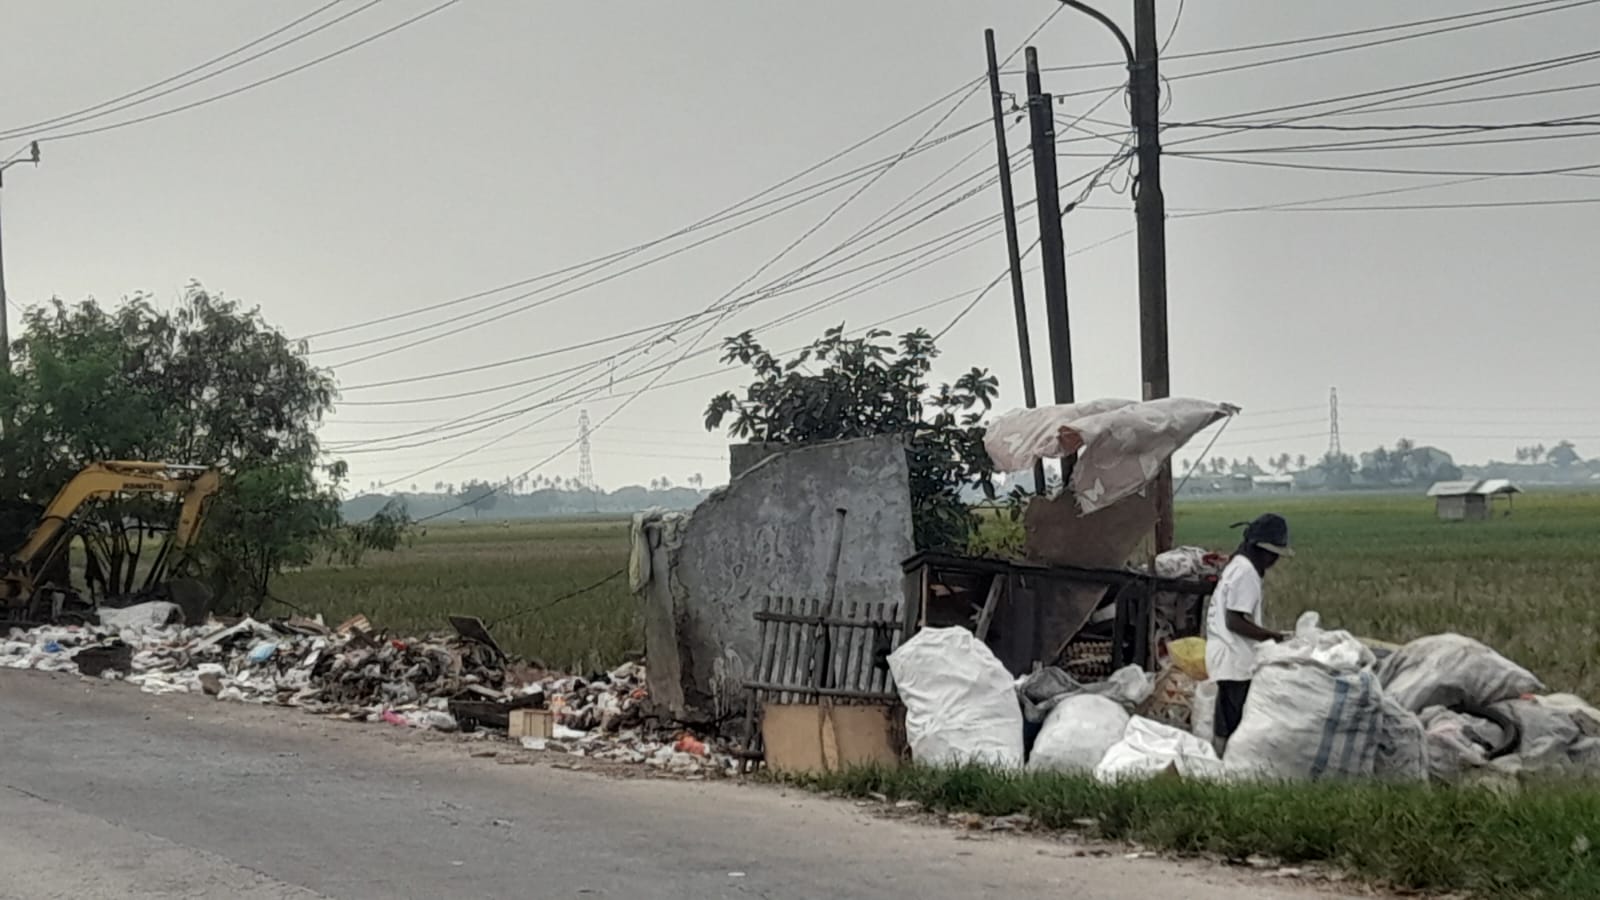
pixel 5 312
pixel 1008 205
pixel 1150 212
pixel 1052 249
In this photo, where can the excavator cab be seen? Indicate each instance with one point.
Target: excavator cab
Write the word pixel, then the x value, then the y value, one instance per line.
pixel 35 579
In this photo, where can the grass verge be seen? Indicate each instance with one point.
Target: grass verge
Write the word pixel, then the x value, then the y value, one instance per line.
pixel 1534 842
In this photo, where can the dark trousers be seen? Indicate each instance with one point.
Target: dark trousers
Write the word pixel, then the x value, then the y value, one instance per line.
pixel 1230 707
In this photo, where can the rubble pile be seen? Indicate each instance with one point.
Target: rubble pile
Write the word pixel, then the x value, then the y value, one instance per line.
pixel 446 683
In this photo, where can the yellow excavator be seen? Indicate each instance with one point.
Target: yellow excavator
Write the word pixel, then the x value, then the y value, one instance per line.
pixel 35 582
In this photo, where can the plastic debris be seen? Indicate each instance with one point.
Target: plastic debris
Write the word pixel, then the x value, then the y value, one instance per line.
pixel 432 683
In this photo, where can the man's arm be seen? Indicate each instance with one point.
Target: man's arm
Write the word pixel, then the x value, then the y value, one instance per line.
pixel 1240 624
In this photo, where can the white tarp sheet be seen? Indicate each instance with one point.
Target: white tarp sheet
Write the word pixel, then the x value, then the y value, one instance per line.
pixel 1121 445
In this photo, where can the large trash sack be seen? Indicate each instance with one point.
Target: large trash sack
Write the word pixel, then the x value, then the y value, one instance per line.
pixel 1316 709
pixel 1077 734
pixel 1453 670
pixel 961 705
pixel 1150 748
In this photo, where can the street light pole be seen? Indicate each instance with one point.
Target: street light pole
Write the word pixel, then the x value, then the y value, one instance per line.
pixel 5 330
pixel 1150 214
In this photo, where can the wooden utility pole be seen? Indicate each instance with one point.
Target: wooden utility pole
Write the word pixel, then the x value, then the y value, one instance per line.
pixel 1052 249
pixel 1008 206
pixel 1150 212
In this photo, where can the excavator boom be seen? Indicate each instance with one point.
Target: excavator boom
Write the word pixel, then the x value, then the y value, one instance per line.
pixel 49 540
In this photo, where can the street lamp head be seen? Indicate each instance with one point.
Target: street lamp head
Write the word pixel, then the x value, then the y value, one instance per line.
pixel 33 147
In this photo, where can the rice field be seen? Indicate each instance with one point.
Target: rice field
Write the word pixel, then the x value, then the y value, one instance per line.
pixel 1381 566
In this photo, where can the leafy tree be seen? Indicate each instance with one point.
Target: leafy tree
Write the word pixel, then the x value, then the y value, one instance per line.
pixel 840 387
pixel 209 383
pixel 479 496
pixel 1340 469
pixel 1564 455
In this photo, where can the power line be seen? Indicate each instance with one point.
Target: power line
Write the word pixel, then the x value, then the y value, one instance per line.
pixel 45 123
pixel 1310 39
pixel 1409 142
pixel 1379 170
pixel 618 274
pixel 258 83
pixel 1255 64
pixel 1421 89
pixel 734 292
pixel 738 208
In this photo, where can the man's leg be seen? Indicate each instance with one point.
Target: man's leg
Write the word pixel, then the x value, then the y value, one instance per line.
pixel 1231 696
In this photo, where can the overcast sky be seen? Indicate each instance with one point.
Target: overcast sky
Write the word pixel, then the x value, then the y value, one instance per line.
pixel 498 140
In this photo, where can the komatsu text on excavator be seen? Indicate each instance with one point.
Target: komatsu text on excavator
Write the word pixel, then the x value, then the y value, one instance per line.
pixel 35 582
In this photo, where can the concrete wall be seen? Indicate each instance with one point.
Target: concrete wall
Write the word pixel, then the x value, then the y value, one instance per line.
pixel 769 533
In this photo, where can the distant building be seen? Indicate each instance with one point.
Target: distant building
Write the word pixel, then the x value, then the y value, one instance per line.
pixel 1471 501
pixel 1273 484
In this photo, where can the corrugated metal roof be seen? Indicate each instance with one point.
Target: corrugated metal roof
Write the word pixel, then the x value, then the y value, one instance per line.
pixel 1485 487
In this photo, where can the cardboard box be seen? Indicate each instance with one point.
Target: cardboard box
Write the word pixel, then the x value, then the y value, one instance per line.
pixel 534 723
pixel 810 737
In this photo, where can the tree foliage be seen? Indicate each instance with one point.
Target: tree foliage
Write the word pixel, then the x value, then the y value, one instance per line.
pixel 840 387
pixel 207 382
pixel 479 496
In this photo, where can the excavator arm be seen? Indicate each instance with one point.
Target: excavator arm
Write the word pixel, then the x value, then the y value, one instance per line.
pixel 195 485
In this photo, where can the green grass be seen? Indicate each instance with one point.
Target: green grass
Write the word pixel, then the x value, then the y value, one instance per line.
pixel 1532 843
pixel 506 573
pixel 1381 566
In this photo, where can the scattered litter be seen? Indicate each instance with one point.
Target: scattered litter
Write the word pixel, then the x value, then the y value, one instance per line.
pixel 448 683
pixel 533 743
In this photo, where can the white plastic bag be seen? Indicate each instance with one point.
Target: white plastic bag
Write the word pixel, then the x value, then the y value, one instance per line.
pixel 1316 709
pixel 961 705
pixel 1149 748
pixel 1077 734
pixel 1452 670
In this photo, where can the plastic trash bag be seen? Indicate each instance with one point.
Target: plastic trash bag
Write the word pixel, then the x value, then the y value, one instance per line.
pixel 1316 709
pixel 1150 748
pixel 1077 734
pixel 1453 670
pixel 961 705
pixel 1189 655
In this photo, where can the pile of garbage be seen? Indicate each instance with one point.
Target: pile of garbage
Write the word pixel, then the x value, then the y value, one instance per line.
pixel 456 683
pixel 1322 704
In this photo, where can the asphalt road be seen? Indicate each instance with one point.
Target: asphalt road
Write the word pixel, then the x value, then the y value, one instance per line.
pixel 109 793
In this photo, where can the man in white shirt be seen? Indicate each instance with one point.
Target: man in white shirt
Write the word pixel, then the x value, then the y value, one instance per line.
pixel 1235 620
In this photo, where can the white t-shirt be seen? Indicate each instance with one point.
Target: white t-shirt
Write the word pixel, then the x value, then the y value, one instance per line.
pixel 1230 656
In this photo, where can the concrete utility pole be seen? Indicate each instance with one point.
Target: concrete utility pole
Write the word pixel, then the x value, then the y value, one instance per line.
pixel 5 330
pixel 1052 245
pixel 1008 206
pixel 1150 213
pixel 1150 210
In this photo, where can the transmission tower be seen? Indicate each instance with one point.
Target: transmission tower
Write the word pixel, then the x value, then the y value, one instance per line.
pixel 1334 450
pixel 585 457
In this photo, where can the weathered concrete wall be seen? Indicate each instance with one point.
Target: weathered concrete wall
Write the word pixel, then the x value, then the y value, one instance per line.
pixel 744 457
pixel 770 533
